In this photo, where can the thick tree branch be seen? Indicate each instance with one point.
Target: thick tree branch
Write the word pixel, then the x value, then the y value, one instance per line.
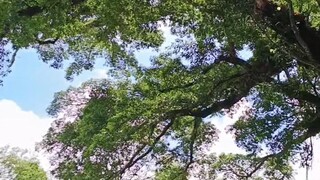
pixel 252 79
pixel 260 164
pixel 47 41
pixel 196 124
pixel 224 104
pixel 296 31
pixel 234 61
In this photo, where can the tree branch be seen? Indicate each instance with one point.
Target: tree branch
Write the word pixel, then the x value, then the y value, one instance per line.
pixel 13 58
pixel 36 10
pixel 313 85
pixel 134 159
pixel 225 104
pixel 234 61
pixel 258 166
pixel 229 101
pixel 206 69
pixel 296 31
pixel 194 133
pixel 47 41
pixel 299 94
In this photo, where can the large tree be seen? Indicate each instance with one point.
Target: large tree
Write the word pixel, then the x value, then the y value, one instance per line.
pixel 154 117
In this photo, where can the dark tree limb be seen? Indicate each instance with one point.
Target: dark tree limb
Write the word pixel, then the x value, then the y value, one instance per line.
pixel 260 164
pixel 13 58
pixel 252 79
pixel 196 124
pixel 293 27
pixel 296 31
pixel 36 10
pixel 30 11
pixel 224 104
pixel 234 61
pixel 47 41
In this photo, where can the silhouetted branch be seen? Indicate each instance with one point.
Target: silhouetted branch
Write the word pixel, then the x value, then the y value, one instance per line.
pixel 47 41
pixel 13 58
pixel 234 61
pixel 134 159
pixel 261 163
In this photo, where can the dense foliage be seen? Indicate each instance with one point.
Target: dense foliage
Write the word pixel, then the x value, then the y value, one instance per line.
pixel 153 119
pixel 18 164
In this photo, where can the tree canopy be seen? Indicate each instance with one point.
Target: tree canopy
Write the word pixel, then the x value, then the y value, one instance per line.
pixel 18 164
pixel 154 119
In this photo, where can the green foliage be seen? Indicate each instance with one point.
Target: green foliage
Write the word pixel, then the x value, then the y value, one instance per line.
pixel 171 172
pixel 155 116
pixel 236 166
pixel 81 30
pixel 15 164
pixel 117 125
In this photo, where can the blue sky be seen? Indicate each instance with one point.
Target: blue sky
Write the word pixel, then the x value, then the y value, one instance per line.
pixel 29 89
pixel 32 83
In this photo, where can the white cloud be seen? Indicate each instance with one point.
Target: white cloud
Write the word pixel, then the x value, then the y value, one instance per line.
pixel 97 73
pixel 226 143
pixel 19 128
pixel 100 73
